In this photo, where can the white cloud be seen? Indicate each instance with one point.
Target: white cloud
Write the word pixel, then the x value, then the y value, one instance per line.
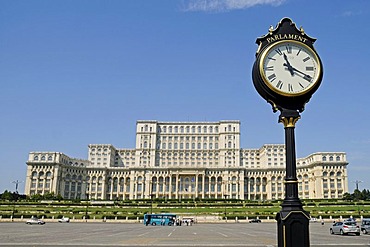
pixel 350 13
pixel 225 5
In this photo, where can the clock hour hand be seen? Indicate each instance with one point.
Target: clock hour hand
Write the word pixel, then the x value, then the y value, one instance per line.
pixel 287 64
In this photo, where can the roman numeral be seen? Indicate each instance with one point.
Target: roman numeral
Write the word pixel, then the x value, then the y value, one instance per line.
pixel 271 58
pixel 306 59
pixel 272 77
pixel 279 84
pixel 310 68
pixel 300 84
pixel 299 51
pixel 269 68
pixel 290 87
pixel 288 49
pixel 278 51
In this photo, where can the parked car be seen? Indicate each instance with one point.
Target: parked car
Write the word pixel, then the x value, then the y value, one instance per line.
pixel 255 221
pixel 63 220
pixel 365 226
pixel 313 220
pixel 35 221
pixel 345 227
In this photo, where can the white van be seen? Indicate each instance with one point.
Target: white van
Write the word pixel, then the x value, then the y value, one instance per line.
pixel 365 226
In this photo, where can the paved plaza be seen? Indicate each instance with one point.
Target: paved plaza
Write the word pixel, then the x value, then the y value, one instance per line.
pixel 117 234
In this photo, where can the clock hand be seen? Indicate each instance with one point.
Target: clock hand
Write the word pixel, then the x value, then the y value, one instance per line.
pixel 287 64
pixel 305 76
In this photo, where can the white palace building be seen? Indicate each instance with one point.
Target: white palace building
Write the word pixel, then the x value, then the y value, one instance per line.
pixel 176 160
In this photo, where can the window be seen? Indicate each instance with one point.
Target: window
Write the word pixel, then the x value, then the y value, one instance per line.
pixel 339 183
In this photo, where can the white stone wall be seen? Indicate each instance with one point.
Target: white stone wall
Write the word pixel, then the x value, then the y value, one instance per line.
pixel 184 160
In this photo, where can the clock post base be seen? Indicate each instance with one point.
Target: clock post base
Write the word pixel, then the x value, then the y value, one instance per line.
pixel 293 228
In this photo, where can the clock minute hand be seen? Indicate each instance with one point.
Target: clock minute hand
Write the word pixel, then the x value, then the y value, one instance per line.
pixel 305 76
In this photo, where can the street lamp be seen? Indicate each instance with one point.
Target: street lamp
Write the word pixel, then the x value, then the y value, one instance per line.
pixel 225 196
pixel 87 207
pixel 15 196
pixel 151 203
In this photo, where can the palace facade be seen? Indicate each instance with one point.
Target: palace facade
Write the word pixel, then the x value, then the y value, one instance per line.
pixel 177 160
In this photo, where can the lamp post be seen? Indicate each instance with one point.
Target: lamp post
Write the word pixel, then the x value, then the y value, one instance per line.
pixel 15 196
pixel 225 196
pixel 151 203
pixel 87 207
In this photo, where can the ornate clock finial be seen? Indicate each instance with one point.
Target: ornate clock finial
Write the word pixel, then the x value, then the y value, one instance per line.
pixel 301 29
pixel 271 29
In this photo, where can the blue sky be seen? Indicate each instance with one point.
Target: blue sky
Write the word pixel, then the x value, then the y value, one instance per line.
pixel 79 72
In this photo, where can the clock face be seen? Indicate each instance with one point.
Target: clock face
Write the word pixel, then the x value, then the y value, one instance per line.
pixel 290 68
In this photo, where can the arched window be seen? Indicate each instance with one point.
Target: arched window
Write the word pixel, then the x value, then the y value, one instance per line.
pixel 50 158
pixel 338 158
pixel 36 158
pixel 323 158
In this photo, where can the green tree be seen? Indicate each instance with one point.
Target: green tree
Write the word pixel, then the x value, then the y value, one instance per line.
pixel 347 196
pixel 49 196
pixel 7 195
pixel 36 197
pixel 357 195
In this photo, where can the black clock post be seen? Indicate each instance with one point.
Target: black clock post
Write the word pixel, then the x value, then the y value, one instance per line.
pixel 286 73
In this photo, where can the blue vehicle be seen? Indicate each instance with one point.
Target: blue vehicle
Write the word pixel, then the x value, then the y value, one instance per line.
pixel 159 219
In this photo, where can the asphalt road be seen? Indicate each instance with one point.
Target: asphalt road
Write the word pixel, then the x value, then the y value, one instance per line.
pixel 117 234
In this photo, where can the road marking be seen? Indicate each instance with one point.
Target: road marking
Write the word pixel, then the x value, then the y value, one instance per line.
pixel 171 232
pixel 222 234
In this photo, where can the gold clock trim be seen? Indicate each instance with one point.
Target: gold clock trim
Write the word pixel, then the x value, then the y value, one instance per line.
pixel 263 76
